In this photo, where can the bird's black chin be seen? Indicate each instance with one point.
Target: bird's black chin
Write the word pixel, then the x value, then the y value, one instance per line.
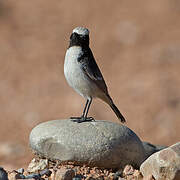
pixel 79 40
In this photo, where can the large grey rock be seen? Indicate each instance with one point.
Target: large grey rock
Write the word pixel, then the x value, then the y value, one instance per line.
pixel 151 148
pixel 96 143
pixel 164 164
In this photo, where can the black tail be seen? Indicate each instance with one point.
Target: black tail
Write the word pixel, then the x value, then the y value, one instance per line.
pixel 109 101
pixel 118 113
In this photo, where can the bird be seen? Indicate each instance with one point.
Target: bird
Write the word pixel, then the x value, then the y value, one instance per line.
pixel 83 74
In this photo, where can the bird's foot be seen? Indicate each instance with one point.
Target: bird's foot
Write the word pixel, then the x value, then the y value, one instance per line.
pixel 76 117
pixel 82 119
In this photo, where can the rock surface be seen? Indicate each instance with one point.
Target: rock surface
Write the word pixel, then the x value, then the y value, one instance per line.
pixel 164 164
pixel 97 143
pixel 151 148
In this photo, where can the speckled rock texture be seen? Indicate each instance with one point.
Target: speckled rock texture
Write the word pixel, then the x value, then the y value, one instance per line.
pixel 97 143
pixel 164 164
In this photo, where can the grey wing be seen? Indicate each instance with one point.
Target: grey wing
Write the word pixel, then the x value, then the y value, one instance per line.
pixel 89 66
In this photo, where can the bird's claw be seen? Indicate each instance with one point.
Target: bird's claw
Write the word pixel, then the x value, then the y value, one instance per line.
pixel 82 119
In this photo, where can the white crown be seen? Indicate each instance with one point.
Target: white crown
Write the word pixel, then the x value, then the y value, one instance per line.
pixel 81 31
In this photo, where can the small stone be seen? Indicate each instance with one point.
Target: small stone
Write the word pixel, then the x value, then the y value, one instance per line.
pixel 90 177
pixel 164 164
pixel 76 178
pixel 137 174
pixel 12 175
pixel 120 178
pixel 21 170
pixel 98 143
pixel 37 165
pixel 130 177
pixel 118 174
pixel 64 174
pixel 3 174
pixel 45 172
pixel 128 170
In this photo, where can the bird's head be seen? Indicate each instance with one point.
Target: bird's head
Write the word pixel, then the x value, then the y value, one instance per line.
pixel 79 37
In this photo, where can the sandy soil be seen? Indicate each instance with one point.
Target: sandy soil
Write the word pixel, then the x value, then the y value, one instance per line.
pixel 136 45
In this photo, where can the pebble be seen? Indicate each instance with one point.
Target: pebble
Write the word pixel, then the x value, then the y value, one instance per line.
pixel 37 165
pixel 64 174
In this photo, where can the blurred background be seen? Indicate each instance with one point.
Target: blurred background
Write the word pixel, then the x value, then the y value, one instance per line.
pixel 136 45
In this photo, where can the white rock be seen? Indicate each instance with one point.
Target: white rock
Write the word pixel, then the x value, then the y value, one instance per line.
pixel 164 164
pixel 37 165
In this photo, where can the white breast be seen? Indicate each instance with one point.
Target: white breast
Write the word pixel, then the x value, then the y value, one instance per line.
pixel 74 74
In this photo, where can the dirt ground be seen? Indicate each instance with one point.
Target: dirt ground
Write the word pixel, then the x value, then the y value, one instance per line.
pixel 136 44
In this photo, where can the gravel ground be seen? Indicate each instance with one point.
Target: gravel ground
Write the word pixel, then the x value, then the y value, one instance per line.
pixel 56 171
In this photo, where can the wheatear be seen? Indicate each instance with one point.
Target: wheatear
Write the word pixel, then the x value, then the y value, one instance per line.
pixel 83 74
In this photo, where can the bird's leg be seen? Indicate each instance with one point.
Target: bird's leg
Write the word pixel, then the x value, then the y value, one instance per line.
pixel 84 117
pixel 84 111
